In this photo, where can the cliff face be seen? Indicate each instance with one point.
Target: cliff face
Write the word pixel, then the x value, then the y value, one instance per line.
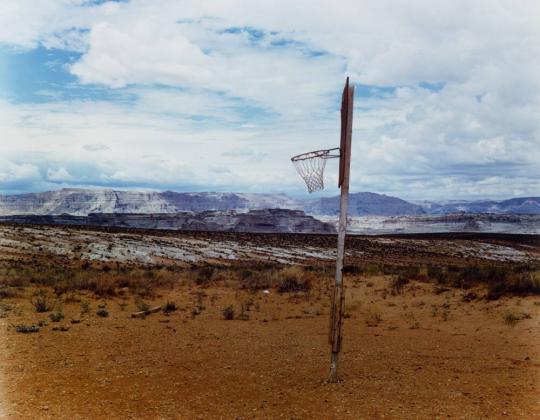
pixel 80 202
pixel 268 220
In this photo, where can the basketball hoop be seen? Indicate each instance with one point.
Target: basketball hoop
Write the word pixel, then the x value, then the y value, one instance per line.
pixel 311 166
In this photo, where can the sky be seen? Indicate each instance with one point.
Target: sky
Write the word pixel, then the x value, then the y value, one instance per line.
pixel 218 95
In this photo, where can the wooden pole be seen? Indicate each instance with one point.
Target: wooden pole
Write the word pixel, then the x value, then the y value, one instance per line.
pixel 338 297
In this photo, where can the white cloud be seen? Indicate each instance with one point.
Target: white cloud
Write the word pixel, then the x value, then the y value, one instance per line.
pixel 12 173
pixel 234 100
pixel 95 147
pixel 59 175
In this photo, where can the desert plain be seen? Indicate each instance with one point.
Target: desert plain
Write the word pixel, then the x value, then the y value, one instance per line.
pixel 437 326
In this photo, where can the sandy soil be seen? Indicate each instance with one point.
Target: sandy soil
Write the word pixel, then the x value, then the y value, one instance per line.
pixel 417 354
pixel 429 356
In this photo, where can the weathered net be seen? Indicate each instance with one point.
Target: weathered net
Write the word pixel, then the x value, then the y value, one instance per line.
pixel 311 166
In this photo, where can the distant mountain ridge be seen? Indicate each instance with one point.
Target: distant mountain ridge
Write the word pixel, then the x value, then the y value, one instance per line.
pixel 363 204
pixel 81 202
pixel 521 205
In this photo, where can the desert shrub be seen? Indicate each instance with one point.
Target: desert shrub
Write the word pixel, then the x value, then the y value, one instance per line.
pixel 243 315
pixel 5 309
pixel 26 329
pixel 511 318
pixel 205 275
pixel 56 316
pixel 495 290
pixel 102 312
pixel 228 312
pixel 142 306
pixel 169 307
pixel 438 274
pixel 245 274
pixel 370 269
pixel 351 269
pixel 245 307
pixel 373 319
pixel 247 304
pixel 414 324
pixel 407 271
pixel 85 307
pixel 257 279
pixel 294 279
pixel 104 285
pixel 7 292
pixel 42 302
pixel 61 328
pixel 292 284
pixel 351 307
pixel 61 288
pixel 397 284
pixel 524 283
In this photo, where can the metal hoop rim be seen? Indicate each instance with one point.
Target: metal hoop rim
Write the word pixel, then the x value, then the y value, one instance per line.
pixel 324 154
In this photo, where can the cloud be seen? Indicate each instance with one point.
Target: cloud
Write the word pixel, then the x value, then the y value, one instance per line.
pixel 159 51
pixel 59 175
pixel 448 94
pixel 15 177
pixel 95 147
pixel 16 173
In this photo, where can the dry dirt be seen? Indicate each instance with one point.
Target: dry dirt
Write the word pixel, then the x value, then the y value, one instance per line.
pixel 416 354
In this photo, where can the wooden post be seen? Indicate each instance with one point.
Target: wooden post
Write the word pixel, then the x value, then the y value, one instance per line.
pixel 338 297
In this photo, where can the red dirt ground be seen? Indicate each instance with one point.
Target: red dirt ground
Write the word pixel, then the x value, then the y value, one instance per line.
pixel 411 364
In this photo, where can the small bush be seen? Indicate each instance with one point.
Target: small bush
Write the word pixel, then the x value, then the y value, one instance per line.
pixel 169 307
pixel 228 312
pixel 5 309
pixel 510 318
pixel 41 302
pixel 373 319
pixel 6 292
pixel 495 290
pixel 438 274
pixel 103 313
pixel 292 284
pixel 397 284
pixel 104 286
pixel 351 269
pixel 414 324
pixel 56 316
pixel 85 307
pixel 244 309
pixel 61 328
pixel 26 329
pixel 143 306
pixel 205 275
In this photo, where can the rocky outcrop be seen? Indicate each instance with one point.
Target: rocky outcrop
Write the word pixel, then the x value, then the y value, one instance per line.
pixel 268 220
